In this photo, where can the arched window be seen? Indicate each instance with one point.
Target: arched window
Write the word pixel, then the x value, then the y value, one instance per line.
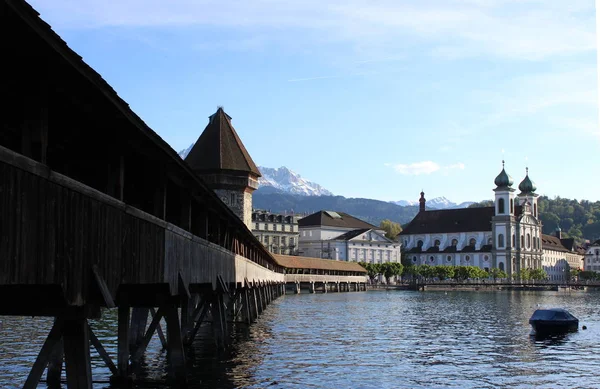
pixel 437 243
pixel 454 242
pixel 472 242
pixel 500 240
pixel 501 266
pixel 535 210
pixel 512 206
pixel 420 244
pixel 528 241
pixel 500 206
pixel 522 241
pixel 514 244
pixel 489 241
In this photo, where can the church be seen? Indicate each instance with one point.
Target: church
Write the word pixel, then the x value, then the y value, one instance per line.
pixel 507 236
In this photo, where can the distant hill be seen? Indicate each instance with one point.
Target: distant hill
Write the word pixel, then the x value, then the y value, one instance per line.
pixel 371 211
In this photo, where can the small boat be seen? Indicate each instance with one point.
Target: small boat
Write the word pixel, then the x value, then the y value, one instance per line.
pixel 553 320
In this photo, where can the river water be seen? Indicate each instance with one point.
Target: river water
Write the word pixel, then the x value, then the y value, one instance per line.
pixel 375 339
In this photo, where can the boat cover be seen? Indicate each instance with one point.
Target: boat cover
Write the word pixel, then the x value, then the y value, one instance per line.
pixel 552 314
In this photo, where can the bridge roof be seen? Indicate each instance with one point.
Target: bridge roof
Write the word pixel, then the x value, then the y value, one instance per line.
pixel 159 149
pixel 295 262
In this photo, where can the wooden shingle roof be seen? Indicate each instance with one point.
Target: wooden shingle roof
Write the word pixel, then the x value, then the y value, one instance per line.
pixel 220 148
pixel 295 262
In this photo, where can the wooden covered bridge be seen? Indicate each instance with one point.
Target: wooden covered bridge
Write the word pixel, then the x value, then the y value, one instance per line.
pixel 98 211
pixel 315 274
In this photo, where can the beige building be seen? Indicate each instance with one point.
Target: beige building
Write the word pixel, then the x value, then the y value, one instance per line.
pixel 592 257
pixel 277 232
pixel 560 256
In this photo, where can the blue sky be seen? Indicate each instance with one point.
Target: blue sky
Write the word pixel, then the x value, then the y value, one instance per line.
pixel 369 98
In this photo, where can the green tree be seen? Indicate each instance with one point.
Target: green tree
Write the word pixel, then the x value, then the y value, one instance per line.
pixel 496 273
pixel 391 269
pixel 373 269
pixel 537 274
pixel 427 271
pixel 391 228
pixel 574 274
pixel 444 272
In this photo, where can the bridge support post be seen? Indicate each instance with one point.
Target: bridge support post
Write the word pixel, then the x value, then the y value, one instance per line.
pixel 175 346
pixel 55 364
pixel 312 287
pixel 77 354
pixel 325 287
pixel 137 328
pixel 297 287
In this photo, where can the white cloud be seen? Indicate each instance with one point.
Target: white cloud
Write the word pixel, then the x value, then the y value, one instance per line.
pixel 424 167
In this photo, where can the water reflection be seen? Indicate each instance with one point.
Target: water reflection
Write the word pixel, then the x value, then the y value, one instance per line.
pixel 383 339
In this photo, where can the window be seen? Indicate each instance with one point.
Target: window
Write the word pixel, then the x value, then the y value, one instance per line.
pixel 535 210
pixel 454 242
pixel 431 259
pixel 513 241
pixel 500 206
pixel 449 258
pixel 501 266
pixel 486 258
pixel 420 244
pixel 512 206
pixel 232 199
pixel 415 259
pixel 256 227
pixel 500 240
pixel 472 242
pixel 467 258
pixel 437 243
pixel 522 241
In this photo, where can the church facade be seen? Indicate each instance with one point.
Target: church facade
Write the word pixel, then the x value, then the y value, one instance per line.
pixel 507 235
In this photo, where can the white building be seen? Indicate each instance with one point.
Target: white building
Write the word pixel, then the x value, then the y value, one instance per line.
pixel 277 232
pixel 507 235
pixel 592 257
pixel 339 236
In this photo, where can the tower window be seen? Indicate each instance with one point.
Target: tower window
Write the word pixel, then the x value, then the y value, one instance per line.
pixel 528 241
pixel 501 206
pixel 500 240
pixel 512 206
pixel 514 243
pixel 535 210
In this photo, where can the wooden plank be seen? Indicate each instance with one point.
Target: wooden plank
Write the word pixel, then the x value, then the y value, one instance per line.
pixel 176 354
pixel 103 288
pixel 139 352
pixel 77 354
pixel 159 330
pixel 55 364
pixel 123 341
pixel 43 357
pixel 102 352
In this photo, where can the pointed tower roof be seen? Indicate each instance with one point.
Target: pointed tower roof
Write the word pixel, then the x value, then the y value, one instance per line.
pixel 503 180
pixel 527 186
pixel 220 148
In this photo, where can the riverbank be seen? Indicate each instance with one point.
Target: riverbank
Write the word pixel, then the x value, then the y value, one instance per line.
pixel 482 287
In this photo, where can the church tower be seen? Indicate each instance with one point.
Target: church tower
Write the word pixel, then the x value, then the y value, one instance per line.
pixel 220 158
pixel 529 227
pixel 503 222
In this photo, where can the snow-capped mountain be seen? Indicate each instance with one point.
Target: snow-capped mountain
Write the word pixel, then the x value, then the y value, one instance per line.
pixel 288 181
pixel 435 203
pixel 185 152
pixel 281 180
pixel 405 203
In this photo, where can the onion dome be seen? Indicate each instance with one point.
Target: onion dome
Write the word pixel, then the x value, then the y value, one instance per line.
pixel 503 179
pixel 527 186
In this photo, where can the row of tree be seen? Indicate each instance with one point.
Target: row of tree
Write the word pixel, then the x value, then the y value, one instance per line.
pixel 386 269
pixel 460 273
